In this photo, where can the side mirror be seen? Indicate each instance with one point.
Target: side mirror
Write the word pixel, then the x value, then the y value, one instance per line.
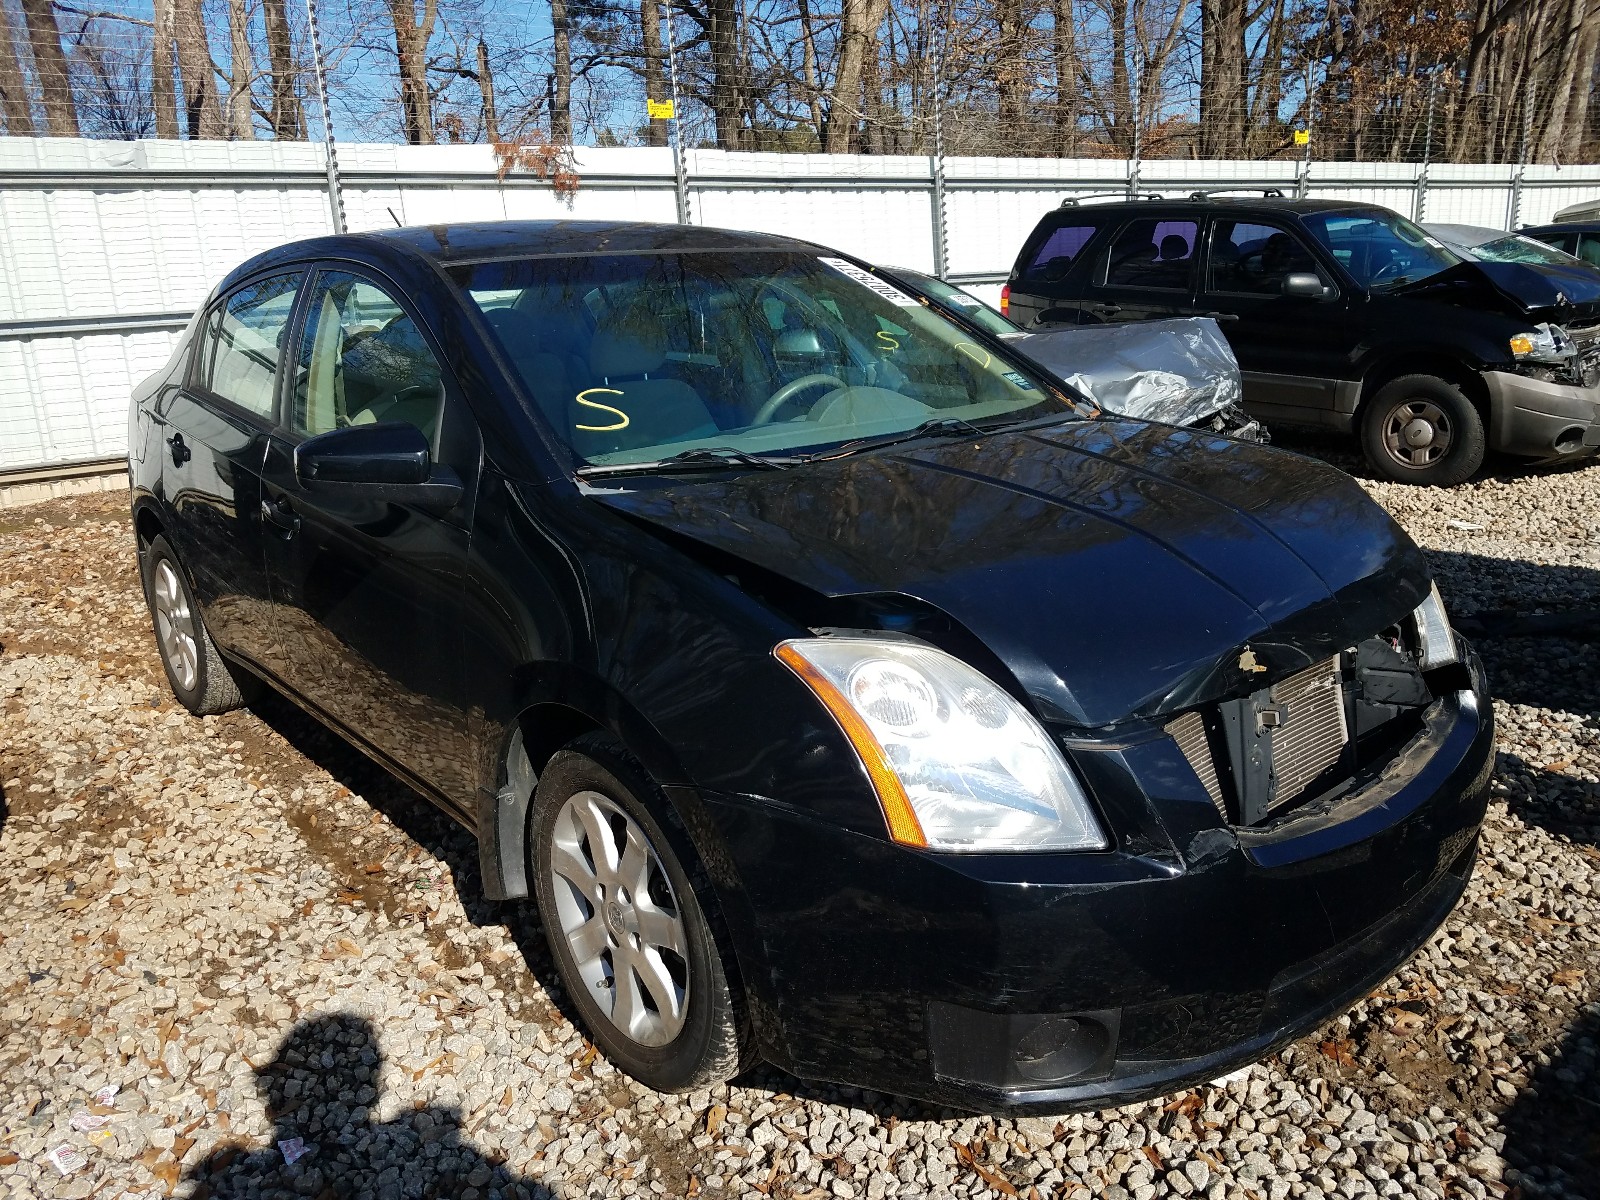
pixel 1305 285
pixel 389 461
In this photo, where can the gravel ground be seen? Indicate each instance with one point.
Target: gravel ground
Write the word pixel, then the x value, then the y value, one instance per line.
pixel 231 943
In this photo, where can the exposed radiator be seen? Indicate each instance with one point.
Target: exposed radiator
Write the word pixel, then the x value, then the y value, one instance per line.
pixel 1311 731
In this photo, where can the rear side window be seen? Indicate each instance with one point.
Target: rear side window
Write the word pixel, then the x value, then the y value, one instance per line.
pixel 1154 253
pixel 244 341
pixel 1055 255
pixel 1589 248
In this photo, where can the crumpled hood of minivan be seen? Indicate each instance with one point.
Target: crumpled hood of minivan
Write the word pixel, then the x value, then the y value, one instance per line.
pixel 1118 569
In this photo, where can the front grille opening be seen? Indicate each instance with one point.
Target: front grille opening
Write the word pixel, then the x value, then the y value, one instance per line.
pixel 1305 736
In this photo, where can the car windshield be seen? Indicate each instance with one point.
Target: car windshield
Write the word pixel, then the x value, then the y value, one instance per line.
pixel 1514 248
pixel 1380 249
pixel 635 358
pixel 975 310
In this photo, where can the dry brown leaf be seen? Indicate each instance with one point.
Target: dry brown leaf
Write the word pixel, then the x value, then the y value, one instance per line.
pixel 348 896
pixel 7 1160
pixel 1570 977
pixel 1339 1052
pixel 77 903
pixel 694 1186
pixel 998 1182
pixel 588 1057
pixel 167 1172
pixel 180 1147
pixel 1405 1023
pixel 374 868
pixel 1561 764
pixel 715 1116
pixel 510 1098
pixel 426 1067
pixel 1186 1105
pixel 1151 1153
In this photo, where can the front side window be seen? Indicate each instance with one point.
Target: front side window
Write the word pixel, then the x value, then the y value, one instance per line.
pixel 1589 248
pixel 1056 254
pixel 244 337
pixel 1255 259
pixel 363 360
pixel 636 357
pixel 1153 253
pixel 1380 249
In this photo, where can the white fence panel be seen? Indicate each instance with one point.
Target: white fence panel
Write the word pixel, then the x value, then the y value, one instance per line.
pixel 105 248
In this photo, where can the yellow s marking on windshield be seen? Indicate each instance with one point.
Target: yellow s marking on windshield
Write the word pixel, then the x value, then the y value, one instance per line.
pixel 890 342
pixel 622 424
pixel 973 352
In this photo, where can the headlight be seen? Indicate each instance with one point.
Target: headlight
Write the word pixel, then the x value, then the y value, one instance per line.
pixel 1547 343
pixel 1434 639
pixel 956 762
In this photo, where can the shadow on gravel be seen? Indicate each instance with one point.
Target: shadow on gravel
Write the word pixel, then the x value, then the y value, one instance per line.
pixel 319 1090
pixel 1553 1126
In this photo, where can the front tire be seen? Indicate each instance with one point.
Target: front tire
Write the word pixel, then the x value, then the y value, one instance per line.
pixel 1421 429
pixel 199 676
pixel 626 925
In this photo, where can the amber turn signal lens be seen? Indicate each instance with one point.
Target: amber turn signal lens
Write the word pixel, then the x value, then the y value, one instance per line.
pixel 1005 301
pixel 897 811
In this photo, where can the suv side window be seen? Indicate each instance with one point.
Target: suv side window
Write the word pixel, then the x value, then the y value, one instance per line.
pixel 1154 253
pixel 363 360
pixel 1589 248
pixel 1254 260
pixel 239 354
pixel 1056 254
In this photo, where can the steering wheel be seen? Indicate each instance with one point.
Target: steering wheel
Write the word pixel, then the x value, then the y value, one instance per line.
pixel 1389 268
pixel 788 391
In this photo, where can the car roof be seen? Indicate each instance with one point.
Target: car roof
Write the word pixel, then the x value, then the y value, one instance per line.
pixel 1225 202
pixel 1563 227
pixel 481 240
pixel 1467 235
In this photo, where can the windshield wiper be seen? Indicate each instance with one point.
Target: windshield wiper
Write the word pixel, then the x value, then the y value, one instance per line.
pixel 701 458
pixel 938 427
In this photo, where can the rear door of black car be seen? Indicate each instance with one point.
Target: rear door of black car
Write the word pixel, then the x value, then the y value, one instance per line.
pixel 1145 271
pixel 1052 270
pixel 215 432
pixel 367 592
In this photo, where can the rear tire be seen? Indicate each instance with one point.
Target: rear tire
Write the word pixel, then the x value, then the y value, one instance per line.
pixel 202 680
pixel 626 925
pixel 1421 429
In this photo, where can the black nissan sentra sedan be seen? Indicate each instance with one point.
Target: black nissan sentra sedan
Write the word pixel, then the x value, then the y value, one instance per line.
pixel 842 692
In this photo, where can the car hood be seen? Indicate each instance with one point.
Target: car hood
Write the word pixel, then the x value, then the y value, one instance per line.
pixel 1543 293
pixel 1117 569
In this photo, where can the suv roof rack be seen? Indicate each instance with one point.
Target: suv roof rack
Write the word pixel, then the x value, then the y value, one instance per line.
pixel 1074 201
pixel 1267 193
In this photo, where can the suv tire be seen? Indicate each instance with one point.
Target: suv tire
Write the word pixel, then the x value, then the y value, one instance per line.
pixel 625 922
pixel 1422 429
pixel 203 681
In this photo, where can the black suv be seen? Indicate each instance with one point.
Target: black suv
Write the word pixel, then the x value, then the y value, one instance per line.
pixel 1343 316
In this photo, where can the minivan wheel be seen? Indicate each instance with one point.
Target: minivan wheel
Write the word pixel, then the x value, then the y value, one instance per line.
pixel 626 925
pixel 200 677
pixel 1422 429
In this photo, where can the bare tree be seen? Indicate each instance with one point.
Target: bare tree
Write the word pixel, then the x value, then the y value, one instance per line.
pixel 287 116
pixel 655 87
pixel 16 105
pixel 163 93
pixel 50 65
pixel 202 111
pixel 411 34
pixel 561 76
pixel 241 72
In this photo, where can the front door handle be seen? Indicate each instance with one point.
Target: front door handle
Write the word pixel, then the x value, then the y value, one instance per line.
pixel 1220 316
pixel 280 515
pixel 180 450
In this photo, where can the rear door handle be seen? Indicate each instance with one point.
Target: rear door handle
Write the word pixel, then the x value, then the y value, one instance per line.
pixel 1220 316
pixel 280 514
pixel 180 450
pixel 1105 310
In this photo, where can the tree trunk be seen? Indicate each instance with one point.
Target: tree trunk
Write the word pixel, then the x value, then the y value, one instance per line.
pixel 1011 66
pixel 1121 91
pixel 202 110
pixel 561 76
pixel 163 95
pixel 241 73
pixel 1066 65
pixel 726 83
pixel 1577 131
pixel 1561 81
pixel 655 74
pixel 288 117
pixel 50 65
pixel 857 37
pixel 1261 122
pixel 491 119
pixel 1222 78
pixel 16 105
pixel 808 66
pixel 411 53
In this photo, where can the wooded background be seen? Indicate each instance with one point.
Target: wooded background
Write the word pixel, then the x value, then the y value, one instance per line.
pixel 1364 80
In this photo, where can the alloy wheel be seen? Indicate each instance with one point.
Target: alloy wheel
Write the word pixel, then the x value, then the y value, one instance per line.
pixel 620 918
pixel 175 626
pixel 1417 433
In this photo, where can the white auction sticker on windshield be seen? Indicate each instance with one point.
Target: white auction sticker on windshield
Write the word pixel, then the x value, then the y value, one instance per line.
pixel 867 279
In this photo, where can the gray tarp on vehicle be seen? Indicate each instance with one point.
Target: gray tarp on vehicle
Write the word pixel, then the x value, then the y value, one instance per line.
pixel 1179 371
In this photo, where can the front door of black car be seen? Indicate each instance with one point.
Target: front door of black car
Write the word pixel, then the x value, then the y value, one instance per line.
pixel 368 592
pixel 1147 273
pixel 1294 351
pixel 215 430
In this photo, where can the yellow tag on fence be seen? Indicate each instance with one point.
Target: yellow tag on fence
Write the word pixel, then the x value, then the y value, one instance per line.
pixel 1302 137
pixel 659 110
